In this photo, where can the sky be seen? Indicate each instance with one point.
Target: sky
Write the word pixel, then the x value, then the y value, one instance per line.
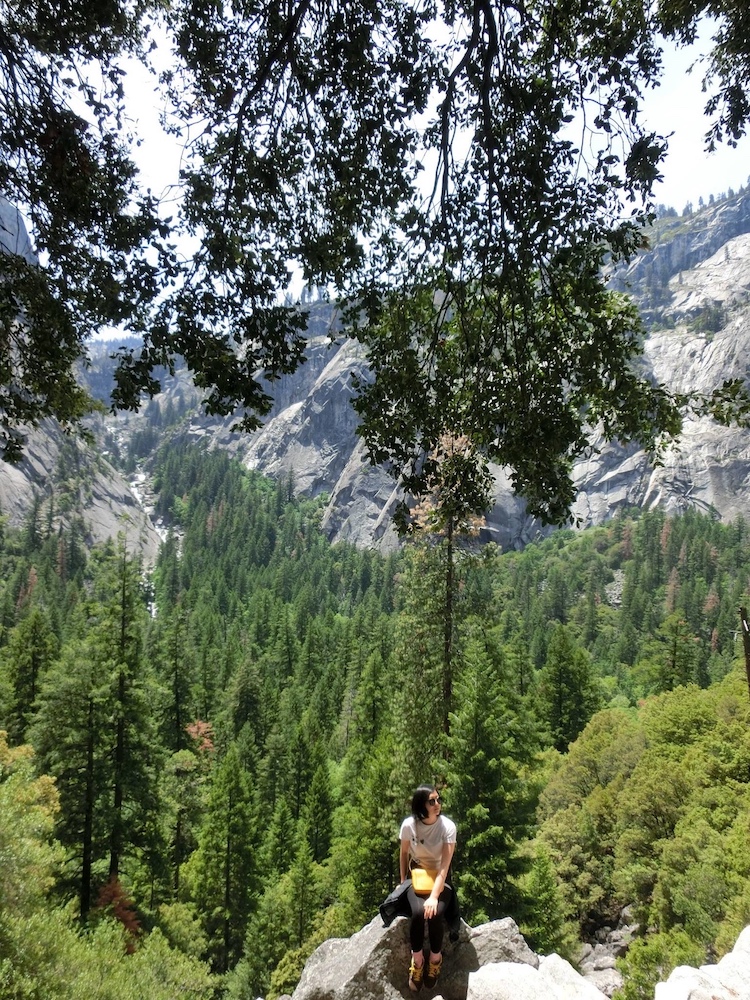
pixel 677 107
pixel 674 109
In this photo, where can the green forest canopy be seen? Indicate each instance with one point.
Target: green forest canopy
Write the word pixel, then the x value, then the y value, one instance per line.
pixel 233 739
pixel 477 292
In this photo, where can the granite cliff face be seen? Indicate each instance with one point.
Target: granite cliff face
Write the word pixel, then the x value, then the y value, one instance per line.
pixel 679 244
pixel 64 477
pixel 709 468
pixel 311 435
pixel 693 287
pixel 67 478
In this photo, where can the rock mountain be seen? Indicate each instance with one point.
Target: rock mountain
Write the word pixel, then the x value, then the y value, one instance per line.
pixel 693 288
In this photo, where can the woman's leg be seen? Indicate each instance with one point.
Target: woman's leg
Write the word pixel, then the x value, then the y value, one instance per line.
pixel 435 930
pixel 416 940
pixel 436 924
pixel 416 928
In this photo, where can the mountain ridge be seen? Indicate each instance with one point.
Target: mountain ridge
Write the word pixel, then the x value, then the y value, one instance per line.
pixel 699 336
pixel 692 285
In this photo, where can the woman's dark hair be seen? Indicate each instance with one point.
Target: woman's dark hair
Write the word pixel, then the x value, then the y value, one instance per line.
pixel 419 801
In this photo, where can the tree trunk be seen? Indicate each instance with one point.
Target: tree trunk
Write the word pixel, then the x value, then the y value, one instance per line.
pixel 227 890
pixel 88 818
pixel 448 631
pixel 746 643
pixel 119 772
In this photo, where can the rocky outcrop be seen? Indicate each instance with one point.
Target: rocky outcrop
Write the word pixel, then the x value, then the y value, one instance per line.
pixel 721 280
pixel 490 962
pixel 597 960
pixel 82 484
pixel 14 237
pixel 373 963
pixel 682 243
pixel 709 467
pixel 311 434
pixel 554 979
pixel 729 979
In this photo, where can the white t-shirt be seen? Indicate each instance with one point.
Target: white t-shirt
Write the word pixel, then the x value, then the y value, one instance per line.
pixel 426 840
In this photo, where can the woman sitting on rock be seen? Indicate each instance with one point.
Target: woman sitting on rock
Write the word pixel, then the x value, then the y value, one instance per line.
pixel 428 840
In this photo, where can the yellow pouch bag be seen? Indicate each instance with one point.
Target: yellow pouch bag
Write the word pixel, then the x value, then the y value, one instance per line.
pixel 423 880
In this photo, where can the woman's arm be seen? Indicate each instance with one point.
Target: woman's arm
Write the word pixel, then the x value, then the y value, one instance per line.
pixel 430 906
pixel 403 858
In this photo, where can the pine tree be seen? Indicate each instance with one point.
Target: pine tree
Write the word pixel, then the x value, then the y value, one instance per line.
pixel 31 649
pixel 181 785
pixel 678 653
pixel 418 657
pixel 174 665
pixel 516 654
pixel 366 850
pixel 490 748
pixel 120 639
pixel 244 702
pixel 285 916
pixel 317 813
pixel 304 894
pixel 545 926
pixel 273 772
pixel 94 732
pixel 369 715
pixel 71 737
pixel 280 842
pixel 567 690
pixel 225 874
pixel 301 768
pixel 459 492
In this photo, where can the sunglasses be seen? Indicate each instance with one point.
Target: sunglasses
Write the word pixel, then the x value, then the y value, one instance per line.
pixel 434 800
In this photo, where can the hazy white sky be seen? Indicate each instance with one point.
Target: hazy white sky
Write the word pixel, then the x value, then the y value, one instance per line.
pixel 675 107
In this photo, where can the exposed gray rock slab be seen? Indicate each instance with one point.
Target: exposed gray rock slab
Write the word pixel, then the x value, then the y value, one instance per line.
pixel 493 962
pixel 729 979
pixel 99 494
pixel 683 244
pixel 373 963
pixel 14 237
pixel 597 961
pixel 722 279
pixel 607 981
pixel 314 435
pixel 555 979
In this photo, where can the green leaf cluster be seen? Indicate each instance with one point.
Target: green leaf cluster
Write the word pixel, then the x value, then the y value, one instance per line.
pixel 457 177
pixel 649 808
pixel 43 954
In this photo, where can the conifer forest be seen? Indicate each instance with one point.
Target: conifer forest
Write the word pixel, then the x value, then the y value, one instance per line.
pixel 204 764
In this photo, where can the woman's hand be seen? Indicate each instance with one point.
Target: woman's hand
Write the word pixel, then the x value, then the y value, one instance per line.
pixel 430 907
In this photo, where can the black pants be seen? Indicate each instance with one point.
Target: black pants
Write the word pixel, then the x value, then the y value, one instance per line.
pixel 435 925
